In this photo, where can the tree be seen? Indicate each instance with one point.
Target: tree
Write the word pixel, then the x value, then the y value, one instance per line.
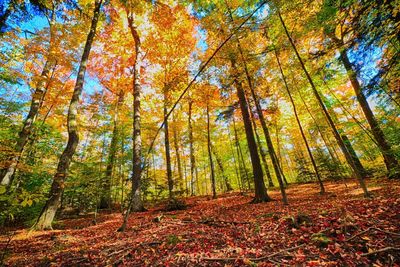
pixel 49 210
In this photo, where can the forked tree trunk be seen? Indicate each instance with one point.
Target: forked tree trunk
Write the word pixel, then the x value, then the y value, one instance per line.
pixel 321 185
pixel 392 165
pixel 342 145
pixel 135 200
pixel 49 210
pixel 7 174
pixel 259 186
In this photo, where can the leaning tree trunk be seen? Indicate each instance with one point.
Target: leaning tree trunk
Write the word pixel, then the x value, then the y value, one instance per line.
pixel 321 185
pixel 167 147
pixel 7 175
pixel 341 144
pixel 135 201
pixel 214 191
pixel 259 186
pixel 392 165
pixel 105 198
pixel 49 210
pixel 240 155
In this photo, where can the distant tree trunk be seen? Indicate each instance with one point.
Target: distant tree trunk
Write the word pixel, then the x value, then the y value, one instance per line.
pixel 300 126
pixel 212 172
pixel 240 155
pixel 178 156
pixel 342 146
pixel 135 199
pixel 262 152
pixel 49 210
pixel 7 174
pixel 392 165
pixel 167 147
pixel 259 186
pixel 327 145
pixel 227 184
pixel 235 161
pixel 105 199
pixel 191 149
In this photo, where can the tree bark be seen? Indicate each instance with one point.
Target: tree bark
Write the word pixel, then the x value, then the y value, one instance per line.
pixel 259 186
pixel 49 210
pixel 392 165
pixel 342 146
pixel 212 172
pixel 321 185
pixel 240 155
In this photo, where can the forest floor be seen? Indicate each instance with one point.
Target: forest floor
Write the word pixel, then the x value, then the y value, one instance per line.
pixel 340 228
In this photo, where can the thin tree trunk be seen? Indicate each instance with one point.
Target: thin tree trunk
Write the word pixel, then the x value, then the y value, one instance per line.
pixel 105 199
pixel 191 149
pixel 178 156
pixel 212 172
pixel 235 161
pixel 240 155
pixel 49 210
pixel 7 175
pixel 392 165
pixel 300 126
pixel 342 146
pixel 227 184
pixel 262 152
pixel 167 148
pixel 259 186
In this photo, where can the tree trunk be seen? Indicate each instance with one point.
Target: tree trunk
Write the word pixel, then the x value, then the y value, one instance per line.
pixel 212 174
pixel 392 165
pixel 240 155
pixel 7 175
pixel 192 158
pixel 342 146
pixel 262 152
pixel 135 201
pixel 178 156
pixel 49 210
pixel 259 186
pixel 105 199
pixel 228 185
pixel 167 147
pixel 300 126
pixel 235 161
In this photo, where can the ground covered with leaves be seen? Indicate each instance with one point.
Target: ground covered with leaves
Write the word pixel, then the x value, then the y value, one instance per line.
pixel 340 228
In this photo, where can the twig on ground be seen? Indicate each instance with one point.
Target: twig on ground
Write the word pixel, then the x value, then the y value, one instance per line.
pixel 255 259
pixel 372 228
pixel 380 251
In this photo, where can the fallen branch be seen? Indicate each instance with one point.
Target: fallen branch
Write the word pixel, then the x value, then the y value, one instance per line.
pixel 380 251
pixel 372 228
pixel 255 259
